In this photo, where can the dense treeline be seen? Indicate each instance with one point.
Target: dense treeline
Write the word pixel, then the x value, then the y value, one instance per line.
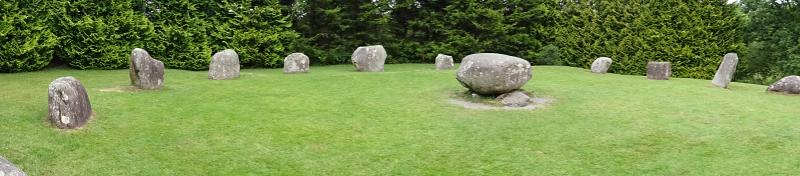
pixel 693 35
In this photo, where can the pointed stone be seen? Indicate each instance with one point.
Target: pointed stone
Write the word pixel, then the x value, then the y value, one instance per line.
pixel 146 72
pixel 224 65
pixel 726 70
pixel 68 102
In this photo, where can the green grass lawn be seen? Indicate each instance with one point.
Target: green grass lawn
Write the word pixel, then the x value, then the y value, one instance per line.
pixel 334 121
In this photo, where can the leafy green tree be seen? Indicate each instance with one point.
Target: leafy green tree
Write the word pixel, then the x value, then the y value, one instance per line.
pixel 773 37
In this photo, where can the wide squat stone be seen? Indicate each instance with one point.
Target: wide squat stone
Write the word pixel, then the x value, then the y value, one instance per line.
pixel 601 65
pixel 444 62
pixel 514 99
pixel 8 169
pixel 69 105
pixel 296 63
pixel 789 84
pixel 493 74
pixel 224 65
pixel 726 69
pixel 146 72
pixel 659 70
pixel 369 58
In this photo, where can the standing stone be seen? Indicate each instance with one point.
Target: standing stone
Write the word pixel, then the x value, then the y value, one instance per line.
pixel 514 99
pixel 224 65
pixel 493 74
pixel 659 70
pixel 369 58
pixel 601 65
pixel 8 169
pixel 296 63
pixel 146 72
pixel 69 105
pixel 444 62
pixel 726 69
pixel 789 84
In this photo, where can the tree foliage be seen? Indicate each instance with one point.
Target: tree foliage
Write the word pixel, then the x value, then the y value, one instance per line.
pixel 773 37
pixel 26 40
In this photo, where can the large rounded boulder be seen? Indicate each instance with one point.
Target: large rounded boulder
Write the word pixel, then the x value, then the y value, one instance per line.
pixel 789 85
pixel 68 102
pixel 369 58
pixel 224 65
pixel 493 74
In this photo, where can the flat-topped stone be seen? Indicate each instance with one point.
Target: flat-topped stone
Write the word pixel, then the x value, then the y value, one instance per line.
pixel 659 70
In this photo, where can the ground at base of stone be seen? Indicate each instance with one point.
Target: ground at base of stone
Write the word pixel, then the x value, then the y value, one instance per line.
pixel 474 101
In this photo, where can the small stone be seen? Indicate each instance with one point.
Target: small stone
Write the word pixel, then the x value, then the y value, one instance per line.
pixel 726 70
pixel 493 74
pixel 296 63
pixel 601 65
pixel 514 99
pixel 659 70
pixel 8 169
pixel 789 84
pixel 146 72
pixel 444 62
pixel 369 58
pixel 68 102
pixel 224 65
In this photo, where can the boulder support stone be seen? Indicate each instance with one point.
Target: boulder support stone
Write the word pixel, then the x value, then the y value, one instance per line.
pixel 68 102
pixel 146 72
pixel 659 70
pixel 726 70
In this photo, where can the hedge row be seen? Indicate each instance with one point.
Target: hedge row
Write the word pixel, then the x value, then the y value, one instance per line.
pixel 99 34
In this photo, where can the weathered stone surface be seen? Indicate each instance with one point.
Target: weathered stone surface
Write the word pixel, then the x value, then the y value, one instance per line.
pixel 492 73
pixel 69 105
pixel 601 65
pixel 146 72
pixel 369 58
pixel 296 63
pixel 726 69
pixel 514 99
pixel 789 84
pixel 659 70
pixel 8 169
pixel 444 62
pixel 224 65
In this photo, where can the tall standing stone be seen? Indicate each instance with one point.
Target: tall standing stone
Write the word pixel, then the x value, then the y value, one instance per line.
pixel 68 102
pixel 369 58
pixel 659 70
pixel 224 65
pixel 726 69
pixel 601 65
pixel 146 72
pixel 493 74
pixel 8 169
pixel 444 62
pixel 296 63
pixel 789 84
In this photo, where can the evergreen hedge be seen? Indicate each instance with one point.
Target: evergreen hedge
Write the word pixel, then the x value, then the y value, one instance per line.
pixel 26 40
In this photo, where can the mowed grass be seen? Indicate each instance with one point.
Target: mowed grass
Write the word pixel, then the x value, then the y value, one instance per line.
pixel 334 121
